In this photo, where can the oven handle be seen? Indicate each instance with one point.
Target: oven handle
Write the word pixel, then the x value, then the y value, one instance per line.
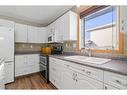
pixel 43 66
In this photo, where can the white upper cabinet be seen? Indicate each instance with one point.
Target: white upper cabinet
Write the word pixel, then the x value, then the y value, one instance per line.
pixel 69 26
pixel 43 36
pixel 37 34
pixel 20 32
pixel 33 34
pixel 64 28
pixel 6 23
pixel 30 34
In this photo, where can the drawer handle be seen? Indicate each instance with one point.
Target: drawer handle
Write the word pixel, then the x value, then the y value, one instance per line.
pixel 120 83
pixel 88 72
pixel 106 87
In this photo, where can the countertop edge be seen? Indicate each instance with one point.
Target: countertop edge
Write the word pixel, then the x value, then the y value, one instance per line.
pixel 102 68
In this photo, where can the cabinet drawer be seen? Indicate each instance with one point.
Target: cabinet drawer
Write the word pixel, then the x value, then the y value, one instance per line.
pixel 94 73
pixel 116 80
pixel 88 71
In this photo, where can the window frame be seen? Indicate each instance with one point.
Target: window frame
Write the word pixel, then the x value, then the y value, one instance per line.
pixel 118 50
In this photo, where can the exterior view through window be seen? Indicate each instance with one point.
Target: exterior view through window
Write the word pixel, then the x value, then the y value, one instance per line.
pixel 100 28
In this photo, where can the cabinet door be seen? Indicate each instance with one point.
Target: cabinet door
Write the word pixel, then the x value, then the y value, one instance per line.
pixel 36 61
pixel 20 33
pixel 9 72
pixel 58 30
pixel 33 34
pixel 55 72
pixel 30 60
pixel 116 80
pixel 108 87
pixel 84 82
pixel 42 36
pixel 67 79
pixel 65 27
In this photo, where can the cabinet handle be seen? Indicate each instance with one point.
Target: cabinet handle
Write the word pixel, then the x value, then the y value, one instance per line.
pixel 106 87
pixel 76 80
pixel 73 78
pixel 120 83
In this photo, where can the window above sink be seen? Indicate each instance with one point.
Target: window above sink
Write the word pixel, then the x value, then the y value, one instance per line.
pixel 102 28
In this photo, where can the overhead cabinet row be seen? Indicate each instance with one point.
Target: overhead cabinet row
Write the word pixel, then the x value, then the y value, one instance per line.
pixel 63 29
pixel 30 34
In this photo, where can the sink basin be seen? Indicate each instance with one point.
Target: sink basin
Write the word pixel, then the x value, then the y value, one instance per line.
pixel 89 59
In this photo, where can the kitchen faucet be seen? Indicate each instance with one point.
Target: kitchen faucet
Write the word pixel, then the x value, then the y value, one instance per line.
pixel 90 44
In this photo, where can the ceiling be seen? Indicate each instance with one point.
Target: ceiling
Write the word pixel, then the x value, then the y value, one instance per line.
pixel 40 15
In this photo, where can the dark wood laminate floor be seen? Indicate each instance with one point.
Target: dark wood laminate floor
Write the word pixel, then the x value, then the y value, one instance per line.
pixel 34 81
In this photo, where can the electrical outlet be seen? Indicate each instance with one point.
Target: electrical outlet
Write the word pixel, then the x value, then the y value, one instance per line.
pixel 31 46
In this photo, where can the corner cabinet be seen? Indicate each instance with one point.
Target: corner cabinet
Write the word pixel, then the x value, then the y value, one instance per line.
pixel 37 34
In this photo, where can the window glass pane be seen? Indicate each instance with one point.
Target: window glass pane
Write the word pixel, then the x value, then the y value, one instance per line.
pixel 102 19
pixel 100 28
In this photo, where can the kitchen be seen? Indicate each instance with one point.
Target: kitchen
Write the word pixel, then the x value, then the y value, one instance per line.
pixel 69 47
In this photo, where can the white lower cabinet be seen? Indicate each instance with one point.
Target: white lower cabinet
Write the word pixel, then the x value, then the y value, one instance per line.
pixel 68 75
pixel 64 76
pixel 36 61
pixel 74 80
pixel 67 79
pixel 26 64
pixel 115 80
pixel 55 70
pixel 84 82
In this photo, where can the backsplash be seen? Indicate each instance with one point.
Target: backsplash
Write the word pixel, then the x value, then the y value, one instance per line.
pixel 70 46
pixel 19 47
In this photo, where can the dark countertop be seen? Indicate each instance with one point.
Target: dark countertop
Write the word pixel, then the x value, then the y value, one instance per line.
pixel 115 66
pixel 26 52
